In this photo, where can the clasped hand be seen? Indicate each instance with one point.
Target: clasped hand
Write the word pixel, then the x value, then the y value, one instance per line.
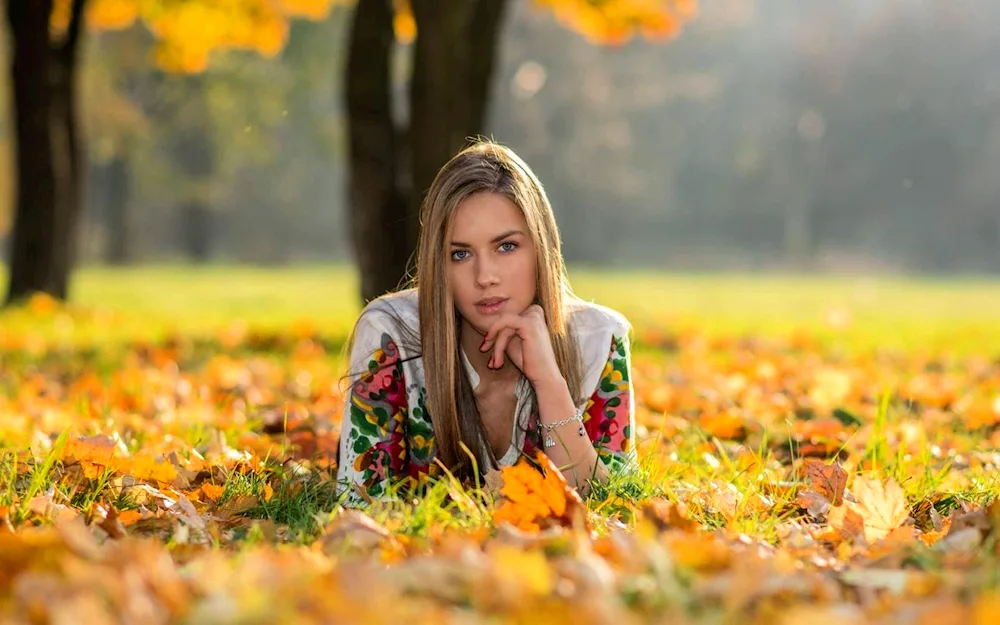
pixel 525 339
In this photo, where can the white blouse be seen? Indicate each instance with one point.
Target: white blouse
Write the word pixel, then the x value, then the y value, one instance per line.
pixel 386 433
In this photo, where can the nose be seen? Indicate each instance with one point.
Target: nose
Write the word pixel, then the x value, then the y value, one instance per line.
pixel 486 272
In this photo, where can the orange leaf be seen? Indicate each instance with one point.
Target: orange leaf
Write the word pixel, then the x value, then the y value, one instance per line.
pixel 728 424
pixel 535 499
pixel 128 517
pixel 145 467
pixel 212 492
pixel 100 449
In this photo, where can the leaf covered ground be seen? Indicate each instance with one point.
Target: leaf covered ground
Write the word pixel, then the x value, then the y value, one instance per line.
pixel 189 479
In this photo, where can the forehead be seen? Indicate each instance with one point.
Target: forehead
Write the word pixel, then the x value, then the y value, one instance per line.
pixel 484 216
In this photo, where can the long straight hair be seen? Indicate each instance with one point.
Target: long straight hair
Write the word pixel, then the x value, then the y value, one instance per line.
pixel 483 167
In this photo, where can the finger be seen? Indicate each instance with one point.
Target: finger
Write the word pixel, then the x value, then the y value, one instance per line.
pixel 503 338
pixel 506 321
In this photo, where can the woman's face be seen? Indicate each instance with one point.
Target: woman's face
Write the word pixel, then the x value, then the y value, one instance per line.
pixel 491 260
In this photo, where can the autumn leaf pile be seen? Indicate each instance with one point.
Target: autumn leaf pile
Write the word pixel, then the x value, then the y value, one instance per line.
pixel 190 479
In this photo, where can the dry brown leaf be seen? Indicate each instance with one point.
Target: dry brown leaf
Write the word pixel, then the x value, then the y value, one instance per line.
pixel 828 480
pixel 664 514
pixel 353 532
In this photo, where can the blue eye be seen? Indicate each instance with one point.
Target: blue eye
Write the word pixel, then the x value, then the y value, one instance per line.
pixel 512 244
pixel 455 254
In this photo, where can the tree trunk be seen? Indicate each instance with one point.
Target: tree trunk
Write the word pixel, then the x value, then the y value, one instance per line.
pixel 116 184
pixel 48 181
pixel 193 151
pixel 453 58
pixel 69 157
pixel 378 215
pixel 32 257
pixel 453 61
pixel 196 230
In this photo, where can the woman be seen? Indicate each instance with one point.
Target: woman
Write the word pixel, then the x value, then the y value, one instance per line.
pixel 489 354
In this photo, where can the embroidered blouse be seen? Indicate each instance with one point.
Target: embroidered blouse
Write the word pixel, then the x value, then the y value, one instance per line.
pixel 386 434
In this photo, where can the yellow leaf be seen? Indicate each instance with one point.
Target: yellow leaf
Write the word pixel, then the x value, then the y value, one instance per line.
pixel 845 523
pixel 526 570
pixel 986 610
pixel 145 467
pixel 699 551
pixel 882 507
pixel 403 23
pixel 112 14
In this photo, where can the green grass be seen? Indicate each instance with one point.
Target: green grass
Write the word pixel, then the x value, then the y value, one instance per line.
pixel 956 314
pixel 744 487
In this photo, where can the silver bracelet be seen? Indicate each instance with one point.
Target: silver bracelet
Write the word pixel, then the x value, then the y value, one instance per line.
pixel 548 427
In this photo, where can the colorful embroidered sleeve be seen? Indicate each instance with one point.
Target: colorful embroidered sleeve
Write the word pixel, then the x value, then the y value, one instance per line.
pixel 609 415
pixel 373 441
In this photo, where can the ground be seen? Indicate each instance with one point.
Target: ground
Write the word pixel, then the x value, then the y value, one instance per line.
pixel 820 448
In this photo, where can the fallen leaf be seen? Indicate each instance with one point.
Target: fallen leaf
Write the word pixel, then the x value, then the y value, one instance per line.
pixel 881 506
pixel 212 492
pixel 664 514
pixel 536 498
pixel 526 571
pixel 826 479
pixel 846 523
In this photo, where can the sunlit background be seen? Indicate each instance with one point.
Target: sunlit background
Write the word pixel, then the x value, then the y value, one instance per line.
pixel 852 136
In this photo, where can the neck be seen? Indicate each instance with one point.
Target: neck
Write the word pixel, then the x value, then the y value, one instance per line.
pixel 470 339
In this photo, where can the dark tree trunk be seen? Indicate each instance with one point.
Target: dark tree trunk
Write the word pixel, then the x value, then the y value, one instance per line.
pixel 32 254
pixel 196 231
pixel 193 152
pixel 378 214
pixel 68 152
pixel 47 150
pixel 116 183
pixel 453 61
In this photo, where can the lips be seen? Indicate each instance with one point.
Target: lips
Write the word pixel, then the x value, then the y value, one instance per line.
pixel 490 305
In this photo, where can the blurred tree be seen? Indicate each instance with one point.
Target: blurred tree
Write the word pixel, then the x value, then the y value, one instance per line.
pixel 43 72
pixel 393 159
pixel 46 42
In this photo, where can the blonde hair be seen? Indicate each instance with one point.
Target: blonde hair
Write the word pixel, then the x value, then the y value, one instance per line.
pixel 483 167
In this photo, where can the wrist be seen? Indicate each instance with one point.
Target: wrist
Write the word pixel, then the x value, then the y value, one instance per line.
pixel 552 382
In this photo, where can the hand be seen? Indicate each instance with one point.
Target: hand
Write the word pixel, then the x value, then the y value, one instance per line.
pixel 525 339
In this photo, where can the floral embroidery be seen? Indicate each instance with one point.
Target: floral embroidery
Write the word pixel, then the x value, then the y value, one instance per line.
pixel 378 416
pixel 420 437
pixel 607 413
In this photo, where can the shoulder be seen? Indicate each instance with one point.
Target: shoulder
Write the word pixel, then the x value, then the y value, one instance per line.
pixel 394 318
pixel 388 311
pixel 591 321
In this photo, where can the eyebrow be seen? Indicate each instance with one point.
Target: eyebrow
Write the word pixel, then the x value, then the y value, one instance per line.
pixel 495 239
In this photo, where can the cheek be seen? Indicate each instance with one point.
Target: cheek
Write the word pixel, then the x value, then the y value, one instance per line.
pixel 460 285
pixel 523 275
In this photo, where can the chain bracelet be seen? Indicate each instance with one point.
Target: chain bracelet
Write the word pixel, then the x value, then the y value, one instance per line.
pixel 577 416
pixel 548 427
